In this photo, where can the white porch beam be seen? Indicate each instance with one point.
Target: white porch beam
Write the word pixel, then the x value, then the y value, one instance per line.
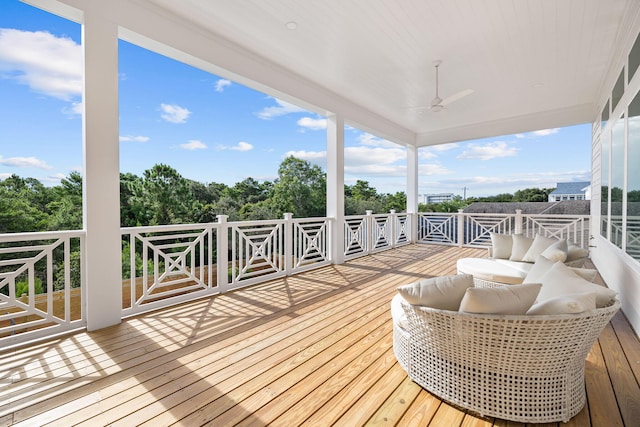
pixel 335 185
pixel 412 190
pixel 101 175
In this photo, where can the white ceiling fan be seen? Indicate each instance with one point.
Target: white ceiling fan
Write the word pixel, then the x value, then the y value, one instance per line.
pixel 439 104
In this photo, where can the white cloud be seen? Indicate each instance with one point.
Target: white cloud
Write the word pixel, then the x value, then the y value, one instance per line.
pixel 53 179
pixel 488 151
pixel 362 160
pixel 372 140
pixel 4 176
pixel 174 113
pixel 240 146
pixel 312 156
pixel 426 155
pixel 222 84
pixel 520 135
pixel 281 109
pixel 377 156
pixel 46 63
pixel 377 170
pixel 76 109
pixel 311 123
pixel 194 144
pixel 431 152
pixel 546 132
pixel 131 138
pixel 24 162
pixel 433 169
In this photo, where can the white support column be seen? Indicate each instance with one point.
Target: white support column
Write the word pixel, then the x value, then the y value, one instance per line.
pixel 412 191
pixel 101 177
pixel 335 185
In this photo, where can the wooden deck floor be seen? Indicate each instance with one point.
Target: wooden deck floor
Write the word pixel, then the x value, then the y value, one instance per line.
pixel 312 349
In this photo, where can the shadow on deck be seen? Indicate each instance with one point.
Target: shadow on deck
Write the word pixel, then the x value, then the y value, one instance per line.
pixel 312 349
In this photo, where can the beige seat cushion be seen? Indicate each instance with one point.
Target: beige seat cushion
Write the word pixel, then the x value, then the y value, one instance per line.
pixel 494 270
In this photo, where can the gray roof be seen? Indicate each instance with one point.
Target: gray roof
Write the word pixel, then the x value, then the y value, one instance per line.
pixel 571 187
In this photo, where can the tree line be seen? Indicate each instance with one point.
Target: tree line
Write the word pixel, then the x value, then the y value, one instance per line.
pixel 163 196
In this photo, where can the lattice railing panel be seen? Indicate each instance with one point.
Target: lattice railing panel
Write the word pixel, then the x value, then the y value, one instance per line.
pixel 310 242
pixel 382 238
pixel 402 229
pixel 573 228
pixel 356 237
pixel 478 228
pixel 167 262
pixel 633 237
pixel 257 250
pixel 437 228
pixel 41 291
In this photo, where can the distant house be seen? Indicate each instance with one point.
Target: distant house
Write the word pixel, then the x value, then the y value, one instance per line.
pixel 571 191
pixel 437 198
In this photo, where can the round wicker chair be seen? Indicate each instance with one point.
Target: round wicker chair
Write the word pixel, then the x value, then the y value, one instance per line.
pixel 528 369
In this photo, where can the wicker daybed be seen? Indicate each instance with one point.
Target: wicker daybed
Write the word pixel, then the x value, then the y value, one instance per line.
pixel 525 368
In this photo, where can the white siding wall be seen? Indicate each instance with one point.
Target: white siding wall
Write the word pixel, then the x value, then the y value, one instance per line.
pixel 620 271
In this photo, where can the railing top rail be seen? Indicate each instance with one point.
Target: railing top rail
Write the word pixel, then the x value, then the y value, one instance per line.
pixel 168 227
pixel 354 216
pixel 40 235
pixel 312 220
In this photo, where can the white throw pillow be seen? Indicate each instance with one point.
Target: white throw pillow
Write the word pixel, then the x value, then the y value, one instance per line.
pixel 539 244
pixel 561 280
pixel 510 299
pixel 501 245
pixel 556 251
pixel 521 245
pixel 565 304
pixel 538 270
pixel 543 265
pixel 444 293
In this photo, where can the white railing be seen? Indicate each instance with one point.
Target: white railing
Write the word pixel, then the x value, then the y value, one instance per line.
pixel 176 263
pixel 474 229
pixel 366 234
pixel 167 264
pixel 633 236
pixel 574 228
pixel 41 285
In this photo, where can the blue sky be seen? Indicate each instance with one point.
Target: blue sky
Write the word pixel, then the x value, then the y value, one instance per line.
pixel 213 130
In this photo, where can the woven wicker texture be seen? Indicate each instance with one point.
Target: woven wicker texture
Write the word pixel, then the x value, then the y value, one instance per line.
pixel 521 368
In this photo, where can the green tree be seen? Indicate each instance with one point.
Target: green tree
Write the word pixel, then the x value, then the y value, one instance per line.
pixel 133 211
pixel 23 205
pixel 532 195
pixel 168 196
pixel 299 189
pixel 66 208
pixel 361 190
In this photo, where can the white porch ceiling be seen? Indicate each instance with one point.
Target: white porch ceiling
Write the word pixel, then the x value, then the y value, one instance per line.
pixel 530 63
pixel 533 64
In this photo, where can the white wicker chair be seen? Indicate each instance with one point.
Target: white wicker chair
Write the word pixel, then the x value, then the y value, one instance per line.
pixel 528 369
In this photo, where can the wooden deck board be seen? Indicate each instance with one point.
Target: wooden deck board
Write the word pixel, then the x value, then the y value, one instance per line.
pixel 313 349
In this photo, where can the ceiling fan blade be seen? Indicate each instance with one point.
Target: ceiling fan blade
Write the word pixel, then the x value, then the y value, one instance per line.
pixel 456 96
